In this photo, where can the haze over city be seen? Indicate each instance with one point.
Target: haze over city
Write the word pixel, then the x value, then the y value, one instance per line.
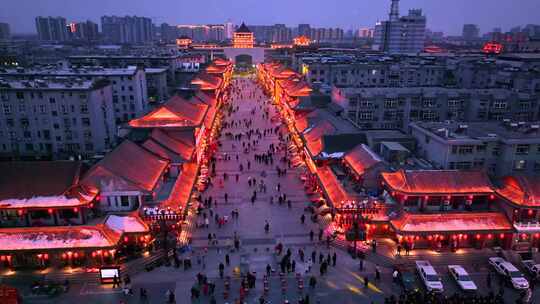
pixel 447 16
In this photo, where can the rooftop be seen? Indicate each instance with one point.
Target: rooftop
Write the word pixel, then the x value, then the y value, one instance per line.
pixel 438 182
pixel 474 131
pixel 452 222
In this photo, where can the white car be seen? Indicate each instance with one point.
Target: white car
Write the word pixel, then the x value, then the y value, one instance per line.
pixel 429 276
pixel 462 278
pixel 510 272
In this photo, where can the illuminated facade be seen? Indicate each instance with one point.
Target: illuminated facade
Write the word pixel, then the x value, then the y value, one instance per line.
pixel 243 38
pixel 302 41
pixel 184 42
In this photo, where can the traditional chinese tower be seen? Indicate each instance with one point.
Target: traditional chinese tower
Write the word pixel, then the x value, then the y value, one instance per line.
pixel 243 38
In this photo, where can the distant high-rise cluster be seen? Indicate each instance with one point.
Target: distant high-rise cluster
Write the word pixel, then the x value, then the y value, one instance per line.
pixel 51 28
pixel 5 32
pixel 128 29
pixel 405 34
pixel 83 30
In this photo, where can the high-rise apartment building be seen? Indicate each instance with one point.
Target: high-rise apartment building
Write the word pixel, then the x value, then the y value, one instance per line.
pixel 128 29
pixel 83 30
pixel 229 30
pixel 304 30
pixel 5 32
pixel 471 32
pixel 405 34
pixel 55 118
pixel 51 28
pixel 281 34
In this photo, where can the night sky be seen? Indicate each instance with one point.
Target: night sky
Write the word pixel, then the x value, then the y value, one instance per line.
pixel 448 16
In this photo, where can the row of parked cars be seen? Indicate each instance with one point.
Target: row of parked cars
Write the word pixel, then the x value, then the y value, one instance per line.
pixel 433 283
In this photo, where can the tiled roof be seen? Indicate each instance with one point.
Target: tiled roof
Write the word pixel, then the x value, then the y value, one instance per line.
pixel 452 222
pixel 161 144
pixel 183 186
pixel 313 136
pixel 58 237
pixel 127 168
pixel 521 190
pixel 332 187
pixel 438 182
pixel 20 180
pixel 207 81
pixel 176 113
pixel 361 159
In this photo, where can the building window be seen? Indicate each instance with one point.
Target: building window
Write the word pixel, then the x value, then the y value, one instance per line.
pixel 7 109
pixel 500 104
pixel 365 116
pixel 20 95
pixel 522 149
pixel 520 165
pixel 84 108
pixel 465 149
pixel 124 201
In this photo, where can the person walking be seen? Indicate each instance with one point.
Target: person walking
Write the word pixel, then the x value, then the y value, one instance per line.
pixel 377 273
pixel 221 270
pixel 334 259
pixel 303 219
pixel 227 259
pixel 266 226
pixel 366 281
pixel 311 235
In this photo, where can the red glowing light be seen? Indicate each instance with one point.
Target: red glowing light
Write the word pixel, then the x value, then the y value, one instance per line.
pixel 489 236
pixel 492 48
pixel 501 236
pixel 50 211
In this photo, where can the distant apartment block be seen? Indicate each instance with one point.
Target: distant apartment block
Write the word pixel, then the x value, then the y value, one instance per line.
pixel 390 108
pixel 127 30
pixel 502 148
pixel 55 118
pixel 51 28
pixel 129 85
pixel 5 32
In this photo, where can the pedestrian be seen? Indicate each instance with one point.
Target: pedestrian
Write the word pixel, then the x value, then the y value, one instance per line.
pixel 116 282
pixel 366 281
pixel 320 234
pixel 221 270
pixel 361 264
pixel 266 226
pixel 227 260
pixel 303 218
pixel 377 273
pixel 313 256
pixel 293 266
pixel 334 259
pixel 311 235
pixel 398 250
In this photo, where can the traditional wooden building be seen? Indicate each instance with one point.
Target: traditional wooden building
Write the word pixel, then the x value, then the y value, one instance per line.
pixel 44 193
pixel 126 177
pixel 449 208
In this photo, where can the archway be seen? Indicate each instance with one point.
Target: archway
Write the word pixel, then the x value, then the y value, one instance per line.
pixel 243 62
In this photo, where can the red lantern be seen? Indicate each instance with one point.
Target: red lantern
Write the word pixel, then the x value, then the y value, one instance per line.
pixel 2 258
pixel 478 236
pixel 489 236
pixel 50 211
pixel 465 236
pixel 93 254
pixel 75 209
pixel 46 256
pixel 75 255
pixel 471 197
pixel 64 256
pixel 126 239
pixel 530 212
pixel 491 197
pixel 429 237
pixel 20 212
pixel 501 235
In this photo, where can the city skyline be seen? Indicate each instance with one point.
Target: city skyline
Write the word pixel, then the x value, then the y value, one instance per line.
pixel 349 15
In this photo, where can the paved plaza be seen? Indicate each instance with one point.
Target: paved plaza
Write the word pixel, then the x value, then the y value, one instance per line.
pixel 343 283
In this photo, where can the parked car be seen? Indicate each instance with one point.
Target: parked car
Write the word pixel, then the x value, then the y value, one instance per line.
pixel 462 278
pixel 510 272
pixel 530 265
pixel 408 280
pixel 429 276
